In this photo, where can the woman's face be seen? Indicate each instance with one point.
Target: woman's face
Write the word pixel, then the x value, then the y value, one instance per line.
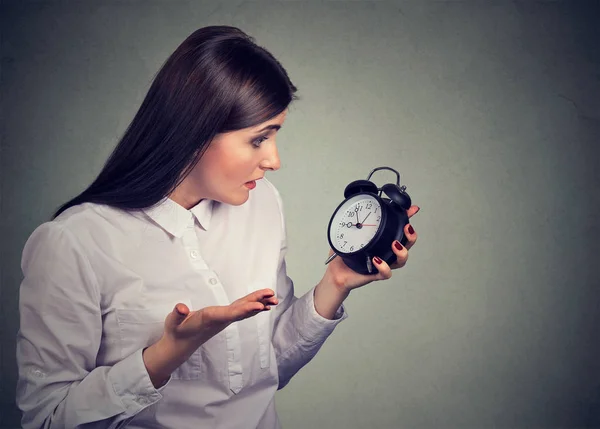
pixel 233 161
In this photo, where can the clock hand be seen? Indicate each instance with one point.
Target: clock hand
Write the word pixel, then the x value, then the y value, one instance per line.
pixel 365 219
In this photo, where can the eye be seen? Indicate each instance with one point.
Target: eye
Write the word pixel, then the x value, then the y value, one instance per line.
pixel 257 142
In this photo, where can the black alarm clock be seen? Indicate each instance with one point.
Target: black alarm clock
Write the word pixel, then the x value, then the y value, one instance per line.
pixel 366 223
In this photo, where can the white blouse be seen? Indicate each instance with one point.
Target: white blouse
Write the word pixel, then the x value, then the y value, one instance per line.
pixel 98 284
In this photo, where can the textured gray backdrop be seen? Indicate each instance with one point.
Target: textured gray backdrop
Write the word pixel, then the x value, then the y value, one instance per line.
pixel 491 112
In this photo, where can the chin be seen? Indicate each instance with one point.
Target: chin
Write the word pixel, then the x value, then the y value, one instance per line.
pixel 236 200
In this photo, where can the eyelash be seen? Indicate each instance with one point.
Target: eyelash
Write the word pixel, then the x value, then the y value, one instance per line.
pixel 258 141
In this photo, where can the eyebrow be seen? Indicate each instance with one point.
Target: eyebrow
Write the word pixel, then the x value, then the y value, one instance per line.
pixel 270 127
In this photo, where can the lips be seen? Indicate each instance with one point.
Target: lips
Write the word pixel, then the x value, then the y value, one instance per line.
pixel 252 183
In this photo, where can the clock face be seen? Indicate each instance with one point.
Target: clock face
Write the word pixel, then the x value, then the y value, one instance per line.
pixel 355 223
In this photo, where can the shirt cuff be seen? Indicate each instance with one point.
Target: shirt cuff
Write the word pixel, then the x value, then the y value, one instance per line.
pixel 131 383
pixel 313 327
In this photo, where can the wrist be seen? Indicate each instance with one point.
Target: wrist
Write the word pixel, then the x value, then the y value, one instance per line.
pixel 336 284
pixel 161 359
pixel 328 297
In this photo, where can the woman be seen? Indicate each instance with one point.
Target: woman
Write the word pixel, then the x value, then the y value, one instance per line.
pixel 159 297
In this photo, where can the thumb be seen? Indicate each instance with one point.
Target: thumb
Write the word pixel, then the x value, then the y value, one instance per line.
pixel 178 315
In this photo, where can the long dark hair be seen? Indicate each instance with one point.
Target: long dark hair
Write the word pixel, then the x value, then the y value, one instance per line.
pixel 218 80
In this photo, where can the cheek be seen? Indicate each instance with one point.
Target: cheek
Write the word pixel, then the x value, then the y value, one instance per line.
pixel 231 164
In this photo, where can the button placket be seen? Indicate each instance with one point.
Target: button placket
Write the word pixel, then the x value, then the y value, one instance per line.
pixel 234 352
pixel 232 335
pixel 190 244
pixel 263 326
pixel 263 340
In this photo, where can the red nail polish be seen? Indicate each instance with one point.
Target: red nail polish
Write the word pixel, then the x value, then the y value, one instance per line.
pixel 397 245
pixel 377 260
pixel 410 229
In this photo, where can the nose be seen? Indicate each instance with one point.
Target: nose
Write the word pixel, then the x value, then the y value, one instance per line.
pixel 271 160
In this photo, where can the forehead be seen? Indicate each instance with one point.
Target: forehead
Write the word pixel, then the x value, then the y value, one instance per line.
pixel 277 120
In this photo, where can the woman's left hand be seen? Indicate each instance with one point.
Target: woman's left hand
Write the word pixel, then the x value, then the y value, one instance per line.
pixel 347 279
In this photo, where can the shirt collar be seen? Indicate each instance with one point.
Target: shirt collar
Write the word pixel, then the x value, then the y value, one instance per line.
pixel 174 218
pixel 203 212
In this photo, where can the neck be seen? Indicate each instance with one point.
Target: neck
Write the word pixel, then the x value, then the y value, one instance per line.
pixel 184 198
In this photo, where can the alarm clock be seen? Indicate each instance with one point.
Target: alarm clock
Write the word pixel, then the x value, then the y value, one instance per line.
pixel 366 223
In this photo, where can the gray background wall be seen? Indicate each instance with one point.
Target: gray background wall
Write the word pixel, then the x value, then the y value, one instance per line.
pixel 491 112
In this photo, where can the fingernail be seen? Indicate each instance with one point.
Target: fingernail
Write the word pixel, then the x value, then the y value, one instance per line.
pixel 410 229
pixel 377 260
pixel 397 245
pixel 418 209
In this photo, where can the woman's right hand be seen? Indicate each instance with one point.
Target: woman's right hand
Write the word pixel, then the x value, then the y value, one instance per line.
pixel 187 330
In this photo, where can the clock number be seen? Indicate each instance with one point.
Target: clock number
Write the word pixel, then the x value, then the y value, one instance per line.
pixel 351 248
pixel 378 217
pixel 342 235
pixel 369 205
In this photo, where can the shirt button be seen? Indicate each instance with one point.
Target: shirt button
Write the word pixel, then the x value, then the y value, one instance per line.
pixel 213 281
pixel 39 373
pixel 194 254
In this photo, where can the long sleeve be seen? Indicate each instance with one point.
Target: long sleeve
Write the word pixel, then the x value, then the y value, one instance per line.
pixel 60 334
pixel 299 331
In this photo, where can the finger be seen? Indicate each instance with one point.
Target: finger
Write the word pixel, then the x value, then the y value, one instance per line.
pixel 257 295
pixel 248 309
pixel 217 313
pixel 413 210
pixel 270 301
pixel 264 294
pixel 411 235
pixel 231 313
pixel 385 272
pixel 401 253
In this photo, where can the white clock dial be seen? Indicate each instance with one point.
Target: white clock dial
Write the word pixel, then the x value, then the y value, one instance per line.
pixel 355 223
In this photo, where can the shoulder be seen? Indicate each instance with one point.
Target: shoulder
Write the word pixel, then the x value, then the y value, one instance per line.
pixel 53 245
pixel 75 229
pixel 86 215
pixel 92 223
pixel 65 226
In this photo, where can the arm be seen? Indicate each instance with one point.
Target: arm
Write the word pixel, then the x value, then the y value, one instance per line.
pixel 300 330
pixel 303 324
pixel 59 384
